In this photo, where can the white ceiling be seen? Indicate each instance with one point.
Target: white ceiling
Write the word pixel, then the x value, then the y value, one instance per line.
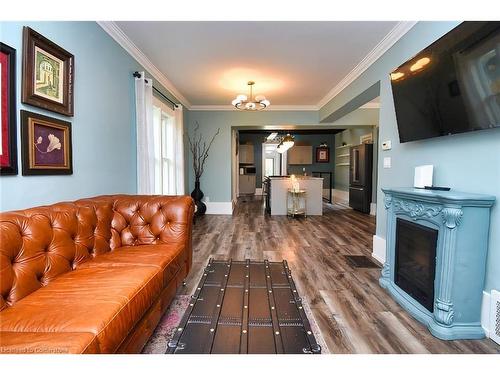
pixel 292 63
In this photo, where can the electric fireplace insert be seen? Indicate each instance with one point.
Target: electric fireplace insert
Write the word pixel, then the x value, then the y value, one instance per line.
pixel 415 265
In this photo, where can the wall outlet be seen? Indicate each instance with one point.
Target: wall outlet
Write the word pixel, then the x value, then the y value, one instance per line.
pixel 386 145
pixel 207 199
pixel 387 162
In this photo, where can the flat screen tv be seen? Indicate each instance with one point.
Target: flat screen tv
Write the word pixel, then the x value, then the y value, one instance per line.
pixel 452 86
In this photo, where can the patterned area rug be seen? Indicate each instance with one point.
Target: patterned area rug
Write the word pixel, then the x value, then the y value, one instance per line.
pixel 165 330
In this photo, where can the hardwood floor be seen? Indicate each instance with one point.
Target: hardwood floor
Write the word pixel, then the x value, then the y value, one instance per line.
pixel 354 313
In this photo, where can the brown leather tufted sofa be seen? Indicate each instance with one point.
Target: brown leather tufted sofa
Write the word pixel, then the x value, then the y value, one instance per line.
pixel 91 276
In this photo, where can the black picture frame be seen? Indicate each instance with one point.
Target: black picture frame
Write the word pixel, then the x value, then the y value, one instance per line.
pixel 9 123
pixel 29 120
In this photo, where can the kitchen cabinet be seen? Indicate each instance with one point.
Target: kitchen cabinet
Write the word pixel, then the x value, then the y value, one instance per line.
pixel 246 153
pixel 300 155
pixel 247 184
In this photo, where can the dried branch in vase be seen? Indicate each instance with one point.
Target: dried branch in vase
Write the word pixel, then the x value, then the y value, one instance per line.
pixel 199 149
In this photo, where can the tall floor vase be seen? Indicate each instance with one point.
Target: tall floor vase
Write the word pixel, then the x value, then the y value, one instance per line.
pixel 197 195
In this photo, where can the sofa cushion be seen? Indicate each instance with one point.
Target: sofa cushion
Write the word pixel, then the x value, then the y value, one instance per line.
pixel 169 258
pixel 48 343
pixel 40 244
pixel 104 301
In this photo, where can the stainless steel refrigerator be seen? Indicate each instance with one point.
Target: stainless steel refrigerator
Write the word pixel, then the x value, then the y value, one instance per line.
pixel 360 177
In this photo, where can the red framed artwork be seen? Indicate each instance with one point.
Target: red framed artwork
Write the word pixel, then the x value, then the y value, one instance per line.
pixel 322 154
pixel 8 140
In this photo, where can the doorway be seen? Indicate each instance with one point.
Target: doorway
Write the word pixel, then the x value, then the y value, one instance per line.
pixel 272 160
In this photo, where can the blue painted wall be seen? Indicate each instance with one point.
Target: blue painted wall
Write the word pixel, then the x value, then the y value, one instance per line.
pixel 466 162
pixel 216 181
pixel 315 140
pixel 103 128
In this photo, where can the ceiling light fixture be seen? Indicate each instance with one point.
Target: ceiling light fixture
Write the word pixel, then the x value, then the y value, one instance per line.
pixel 286 143
pixel 281 148
pixel 244 103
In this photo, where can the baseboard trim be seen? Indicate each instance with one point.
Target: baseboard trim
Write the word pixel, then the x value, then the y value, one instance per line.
pixel 485 313
pixel 258 191
pixel 219 208
pixel 379 249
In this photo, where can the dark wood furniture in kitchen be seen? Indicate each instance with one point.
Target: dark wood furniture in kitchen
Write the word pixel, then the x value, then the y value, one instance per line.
pixel 360 177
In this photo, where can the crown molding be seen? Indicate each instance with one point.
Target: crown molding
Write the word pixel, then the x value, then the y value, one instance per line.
pixel 389 40
pixel 270 108
pixel 123 40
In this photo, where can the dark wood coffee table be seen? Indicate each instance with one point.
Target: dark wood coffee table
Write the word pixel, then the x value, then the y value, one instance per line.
pixel 245 307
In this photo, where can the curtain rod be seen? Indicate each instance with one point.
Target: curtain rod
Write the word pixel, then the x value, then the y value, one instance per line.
pixel 138 75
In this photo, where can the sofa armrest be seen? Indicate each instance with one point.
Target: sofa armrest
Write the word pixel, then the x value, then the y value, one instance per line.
pixel 149 220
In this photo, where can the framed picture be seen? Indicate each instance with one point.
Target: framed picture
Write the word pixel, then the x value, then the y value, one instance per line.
pixel 46 145
pixel 47 74
pixel 322 154
pixel 8 139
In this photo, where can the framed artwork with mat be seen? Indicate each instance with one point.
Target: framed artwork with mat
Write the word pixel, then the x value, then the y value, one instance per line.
pixel 47 74
pixel 322 154
pixel 46 143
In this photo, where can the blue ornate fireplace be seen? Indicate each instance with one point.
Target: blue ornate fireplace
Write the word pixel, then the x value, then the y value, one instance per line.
pixel 440 240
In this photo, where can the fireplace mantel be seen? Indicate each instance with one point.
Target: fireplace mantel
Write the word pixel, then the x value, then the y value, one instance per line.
pixel 462 221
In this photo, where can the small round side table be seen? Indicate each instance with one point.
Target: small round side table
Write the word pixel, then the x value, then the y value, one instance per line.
pixel 296 203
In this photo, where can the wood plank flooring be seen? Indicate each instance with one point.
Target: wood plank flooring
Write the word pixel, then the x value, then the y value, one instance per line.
pixel 354 313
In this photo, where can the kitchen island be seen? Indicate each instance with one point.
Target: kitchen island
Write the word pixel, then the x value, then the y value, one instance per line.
pixel 278 189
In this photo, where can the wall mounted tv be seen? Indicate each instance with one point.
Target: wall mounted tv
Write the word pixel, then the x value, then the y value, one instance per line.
pixel 452 86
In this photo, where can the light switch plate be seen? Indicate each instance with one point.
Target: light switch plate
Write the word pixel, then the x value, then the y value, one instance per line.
pixel 387 162
pixel 386 145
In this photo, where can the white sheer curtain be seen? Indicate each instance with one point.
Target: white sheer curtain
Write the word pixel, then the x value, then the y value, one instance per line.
pixel 145 135
pixel 179 150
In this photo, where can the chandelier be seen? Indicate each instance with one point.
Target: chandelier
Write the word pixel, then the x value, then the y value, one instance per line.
pixel 244 103
pixel 286 143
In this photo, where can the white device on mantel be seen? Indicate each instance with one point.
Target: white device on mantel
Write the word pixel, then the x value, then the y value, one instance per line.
pixel 423 176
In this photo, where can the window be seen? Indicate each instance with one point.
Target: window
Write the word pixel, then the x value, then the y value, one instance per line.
pixel 164 148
